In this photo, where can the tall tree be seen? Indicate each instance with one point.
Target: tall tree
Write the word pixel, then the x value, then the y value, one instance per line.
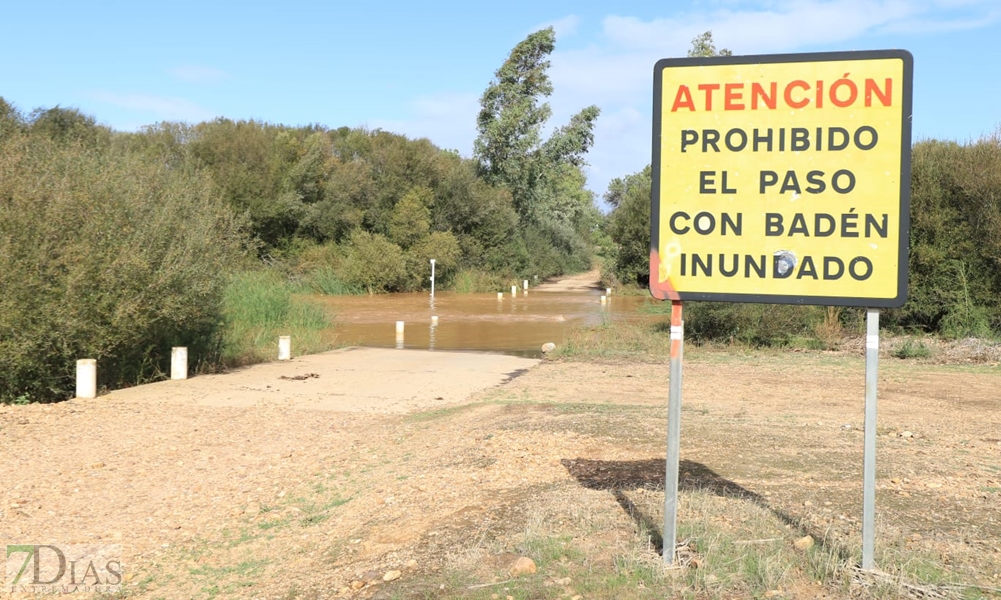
pixel 629 197
pixel 545 178
pixel 509 146
pixel 703 46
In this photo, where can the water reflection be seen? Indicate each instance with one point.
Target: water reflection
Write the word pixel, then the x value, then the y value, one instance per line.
pixel 516 325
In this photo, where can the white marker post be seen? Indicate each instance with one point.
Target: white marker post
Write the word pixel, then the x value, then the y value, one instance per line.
pixel 284 347
pixel 399 335
pixel 434 320
pixel 514 291
pixel 500 295
pixel 524 285
pixel 86 378
pixel 179 362
pixel 432 278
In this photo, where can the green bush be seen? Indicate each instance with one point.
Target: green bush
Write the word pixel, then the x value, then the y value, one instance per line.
pixel 469 281
pixel 373 263
pixel 912 349
pixel 441 246
pixel 325 281
pixel 955 257
pixel 752 324
pixel 104 255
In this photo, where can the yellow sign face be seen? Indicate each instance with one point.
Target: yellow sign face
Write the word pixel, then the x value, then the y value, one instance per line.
pixel 782 178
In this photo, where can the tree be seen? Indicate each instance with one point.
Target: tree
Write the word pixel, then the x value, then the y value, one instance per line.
pixel 703 46
pixel 68 124
pixel 544 177
pixel 10 119
pixel 629 225
pixel 410 221
pixel 629 197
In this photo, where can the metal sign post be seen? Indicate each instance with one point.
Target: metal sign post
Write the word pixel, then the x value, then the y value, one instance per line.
pixel 673 434
pixel 869 452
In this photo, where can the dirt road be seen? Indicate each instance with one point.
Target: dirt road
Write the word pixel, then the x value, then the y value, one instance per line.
pixel 370 380
pixel 581 282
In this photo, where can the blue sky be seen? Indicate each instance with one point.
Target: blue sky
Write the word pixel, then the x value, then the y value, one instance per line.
pixel 419 68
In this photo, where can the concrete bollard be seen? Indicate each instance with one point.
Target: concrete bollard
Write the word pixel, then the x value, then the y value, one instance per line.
pixel 434 321
pixel 514 290
pixel 604 299
pixel 179 362
pixel 284 347
pixel 500 295
pixel 608 291
pixel 399 335
pixel 86 378
pixel 524 285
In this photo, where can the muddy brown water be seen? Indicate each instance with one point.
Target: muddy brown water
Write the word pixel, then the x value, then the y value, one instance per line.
pixel 473 322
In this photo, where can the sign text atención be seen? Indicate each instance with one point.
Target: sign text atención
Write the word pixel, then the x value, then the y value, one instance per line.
pixel 782 178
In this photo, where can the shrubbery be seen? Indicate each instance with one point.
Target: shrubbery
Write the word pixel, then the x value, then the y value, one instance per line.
pixel 955 262
pixel 104 255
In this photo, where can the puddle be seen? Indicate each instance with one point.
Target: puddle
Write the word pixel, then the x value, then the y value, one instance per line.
pixel 473 322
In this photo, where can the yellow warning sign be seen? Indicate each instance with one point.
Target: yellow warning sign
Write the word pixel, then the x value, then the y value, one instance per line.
pixel 782 178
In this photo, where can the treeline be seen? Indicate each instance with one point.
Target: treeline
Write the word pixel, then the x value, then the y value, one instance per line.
pixel 117 245
pixel 370 207
pixel 955 251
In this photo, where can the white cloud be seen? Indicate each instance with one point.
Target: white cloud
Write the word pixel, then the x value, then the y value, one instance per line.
pixel 616 70
pixel 790 25
pixel 158 108
pixel 197 74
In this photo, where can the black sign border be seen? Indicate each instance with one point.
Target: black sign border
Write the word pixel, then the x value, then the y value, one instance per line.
pixel 905 173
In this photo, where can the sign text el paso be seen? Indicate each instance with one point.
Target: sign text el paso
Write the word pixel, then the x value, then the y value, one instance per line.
pixel 782 178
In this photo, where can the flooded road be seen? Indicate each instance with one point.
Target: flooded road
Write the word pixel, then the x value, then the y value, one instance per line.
pixel 476 322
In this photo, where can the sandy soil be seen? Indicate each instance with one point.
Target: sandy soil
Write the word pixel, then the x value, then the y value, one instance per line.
pixel 372 380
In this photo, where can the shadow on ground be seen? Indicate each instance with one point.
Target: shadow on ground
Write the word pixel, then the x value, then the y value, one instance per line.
pixel 617 476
